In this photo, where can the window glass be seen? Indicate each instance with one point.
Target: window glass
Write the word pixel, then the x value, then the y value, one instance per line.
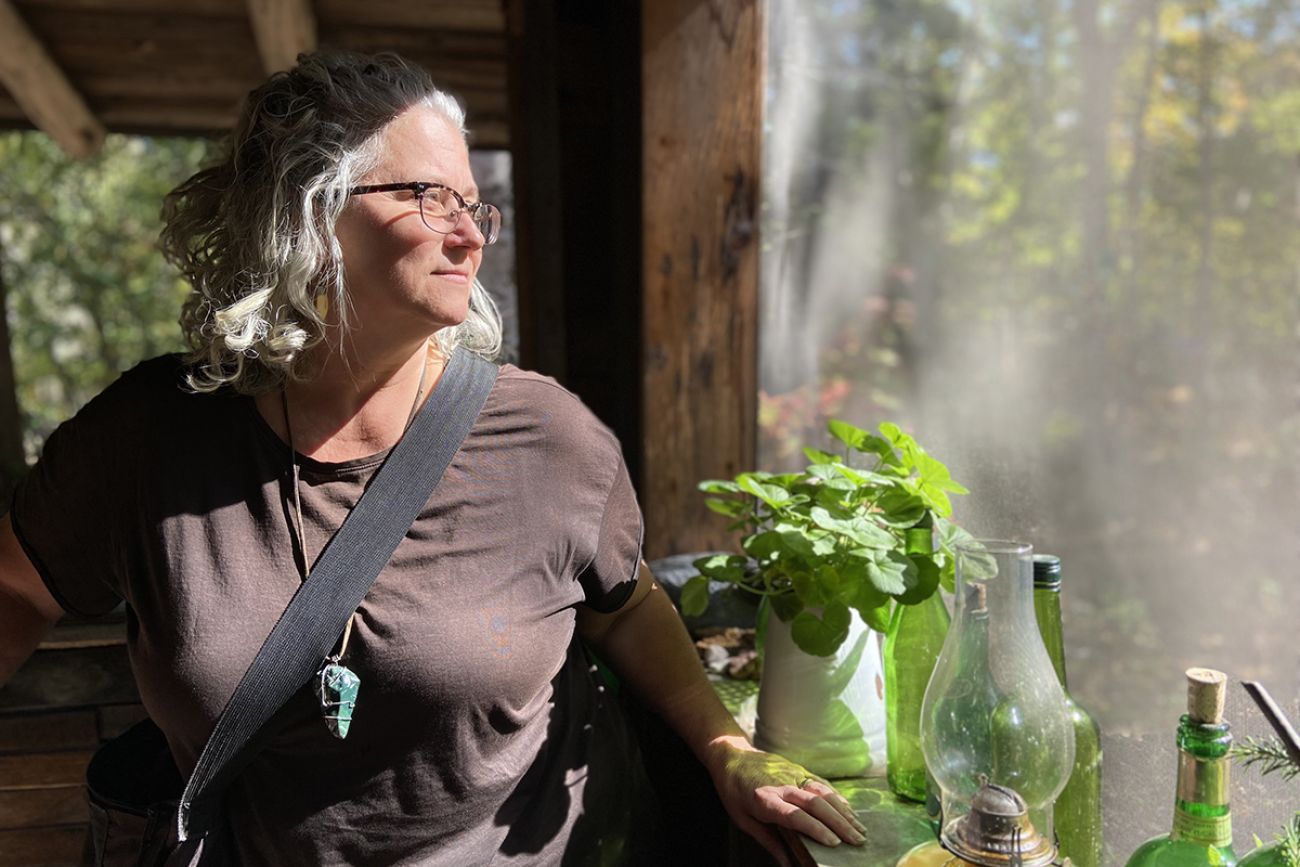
pixel 1058 241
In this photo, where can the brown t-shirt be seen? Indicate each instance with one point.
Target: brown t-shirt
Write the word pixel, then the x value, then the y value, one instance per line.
pixel 480 732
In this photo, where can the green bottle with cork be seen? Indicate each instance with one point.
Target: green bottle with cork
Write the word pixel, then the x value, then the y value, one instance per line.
pixel 1202 829
pixel 1078 808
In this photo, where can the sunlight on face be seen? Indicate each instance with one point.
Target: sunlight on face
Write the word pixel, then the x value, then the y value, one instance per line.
pixel 406 281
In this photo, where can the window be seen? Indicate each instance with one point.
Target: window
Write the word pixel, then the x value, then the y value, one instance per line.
pixel 1060 242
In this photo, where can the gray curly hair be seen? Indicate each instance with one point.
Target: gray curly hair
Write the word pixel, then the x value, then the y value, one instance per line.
pixel 254 233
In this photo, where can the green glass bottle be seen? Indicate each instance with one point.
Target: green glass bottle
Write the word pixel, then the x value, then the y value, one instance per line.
pixel 1078 807
pixel 912 645
pixel 1202 829
pixel 1271 855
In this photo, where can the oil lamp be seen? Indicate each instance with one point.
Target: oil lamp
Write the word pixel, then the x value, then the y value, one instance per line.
pixel 994 711
pixel 997 832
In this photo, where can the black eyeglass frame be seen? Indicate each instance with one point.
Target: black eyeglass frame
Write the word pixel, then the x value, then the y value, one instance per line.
pixel 479 212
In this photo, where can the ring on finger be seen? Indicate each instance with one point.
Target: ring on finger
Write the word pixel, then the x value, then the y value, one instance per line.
pixel 805 781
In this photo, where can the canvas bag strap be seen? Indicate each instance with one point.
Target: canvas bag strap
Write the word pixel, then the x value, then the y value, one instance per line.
pixel 311 624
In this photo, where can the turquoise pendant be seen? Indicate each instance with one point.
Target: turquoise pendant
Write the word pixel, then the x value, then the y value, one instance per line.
pixel 337 687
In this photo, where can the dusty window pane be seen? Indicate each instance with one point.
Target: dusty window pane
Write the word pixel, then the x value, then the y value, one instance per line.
pixel 1059 241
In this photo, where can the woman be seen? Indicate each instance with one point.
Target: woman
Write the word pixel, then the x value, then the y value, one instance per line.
pixel 333 255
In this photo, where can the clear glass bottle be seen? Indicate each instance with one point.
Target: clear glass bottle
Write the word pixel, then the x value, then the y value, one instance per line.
pixel 911 649
pixel 1202 828
pixel 1078 807
pixel 994 711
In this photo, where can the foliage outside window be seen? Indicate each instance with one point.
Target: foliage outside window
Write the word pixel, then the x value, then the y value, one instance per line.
pixel 86 290
pixel 1059 241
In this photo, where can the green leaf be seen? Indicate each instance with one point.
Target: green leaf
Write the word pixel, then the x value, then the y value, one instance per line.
pixel 947 572
pixel 854 527
pixel 826 475
pixel 829 498
pixel 829 581
pixel 901 441
pixel 900 507
pixel 856 589
pixel 927 580
pixel 730 508
pixel 933 480
pixel 878 617
pixel 773 495
pixel 722 567
pixel 719 486
pixel 821 636
pixel 978 564
pixel 807 588
pixel 892 573
pixel 816 456
pixel 793 540
pixel 763 546
pixel 864 478
pixel 851 436
pixel 786 606
pixel 950 537
pixel 823 471
pixel 695 596
pixel 823 545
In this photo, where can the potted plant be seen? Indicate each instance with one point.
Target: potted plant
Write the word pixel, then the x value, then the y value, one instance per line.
pixel 828 550
pixel 1279 754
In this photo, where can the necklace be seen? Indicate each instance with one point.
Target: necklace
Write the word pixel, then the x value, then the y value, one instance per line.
pixel 336 686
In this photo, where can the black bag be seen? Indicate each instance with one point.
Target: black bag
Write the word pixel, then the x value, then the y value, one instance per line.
pixel 133 787
pixel 141 813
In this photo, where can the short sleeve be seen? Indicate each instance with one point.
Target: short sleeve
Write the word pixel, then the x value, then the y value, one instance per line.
pixel 69 510
pixel 610 577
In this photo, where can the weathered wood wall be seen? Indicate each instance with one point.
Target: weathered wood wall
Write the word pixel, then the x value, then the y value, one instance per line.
pixel 702 74
pixel 75 693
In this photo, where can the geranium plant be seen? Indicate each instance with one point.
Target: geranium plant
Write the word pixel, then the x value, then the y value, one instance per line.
pixel 832 538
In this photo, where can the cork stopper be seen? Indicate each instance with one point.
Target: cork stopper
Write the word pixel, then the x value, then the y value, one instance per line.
pixel 1206 689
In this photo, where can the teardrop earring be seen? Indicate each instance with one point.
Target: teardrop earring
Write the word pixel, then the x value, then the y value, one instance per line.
pixel 322 304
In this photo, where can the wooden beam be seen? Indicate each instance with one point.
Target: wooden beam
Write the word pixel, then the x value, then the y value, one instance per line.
pixel 207 8
pixel 283 30
pixel 702 74
pixel 484 16
pixel 38 85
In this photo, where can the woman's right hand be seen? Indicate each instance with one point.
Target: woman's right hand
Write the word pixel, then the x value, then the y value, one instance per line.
pixel 761 789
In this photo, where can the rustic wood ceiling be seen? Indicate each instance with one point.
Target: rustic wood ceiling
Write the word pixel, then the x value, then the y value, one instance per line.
pixel 181 67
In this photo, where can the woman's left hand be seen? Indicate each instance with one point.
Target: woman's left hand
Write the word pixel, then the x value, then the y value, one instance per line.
pixel 759 789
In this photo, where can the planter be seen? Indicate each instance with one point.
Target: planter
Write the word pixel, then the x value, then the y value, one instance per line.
pixel 826 713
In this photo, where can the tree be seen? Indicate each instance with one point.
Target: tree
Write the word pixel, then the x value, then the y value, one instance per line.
pixel 87 292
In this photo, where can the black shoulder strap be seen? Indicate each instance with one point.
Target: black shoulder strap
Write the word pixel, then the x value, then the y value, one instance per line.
pixel 310 626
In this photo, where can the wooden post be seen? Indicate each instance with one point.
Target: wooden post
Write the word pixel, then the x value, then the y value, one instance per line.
pixel 535 148
pixel 702 69
pixel 576 139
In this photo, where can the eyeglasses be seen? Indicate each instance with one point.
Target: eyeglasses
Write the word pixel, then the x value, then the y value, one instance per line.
pixel 441 207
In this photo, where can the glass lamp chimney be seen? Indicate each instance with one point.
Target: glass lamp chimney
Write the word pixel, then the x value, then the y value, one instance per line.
pixel 994 710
